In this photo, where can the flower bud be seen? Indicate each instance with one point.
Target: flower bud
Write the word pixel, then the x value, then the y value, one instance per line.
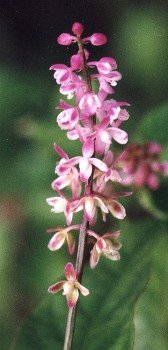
pixel 77 28
pixel 98 39
pixel 65 39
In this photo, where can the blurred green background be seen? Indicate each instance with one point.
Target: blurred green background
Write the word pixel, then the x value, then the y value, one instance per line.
pixel 128 305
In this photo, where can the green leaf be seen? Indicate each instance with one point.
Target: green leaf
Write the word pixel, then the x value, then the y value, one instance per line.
pixel 105 317
pixel 152 309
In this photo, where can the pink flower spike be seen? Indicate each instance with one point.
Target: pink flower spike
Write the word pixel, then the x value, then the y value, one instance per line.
pixel 66 39
pixel 77 28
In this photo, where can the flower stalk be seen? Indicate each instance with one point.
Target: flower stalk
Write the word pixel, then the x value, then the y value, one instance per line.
pixel 95 121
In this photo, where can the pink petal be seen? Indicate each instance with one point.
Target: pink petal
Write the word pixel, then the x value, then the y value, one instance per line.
pixel 88 148
pixel 72 297
pixel 57 241
pixel 98 39
pixel 94 258
pixel 65 39
pixel 82 289
pixel 56 287
pixel 85 169
pixel 119 135
pixel 104 123
pixel 70 272
pixel 98 164
pixel 72 134
pixel 58 203
pixel 89 208
pixel 58 66
pixel 71 243
pixel 60 151
pixel 61 182
pixel 100 203
pixel 100 245
pixel 117 210
pixel 114 235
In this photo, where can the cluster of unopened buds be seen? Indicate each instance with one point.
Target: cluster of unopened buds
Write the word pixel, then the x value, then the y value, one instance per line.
pixel 95 121
pixel 142 166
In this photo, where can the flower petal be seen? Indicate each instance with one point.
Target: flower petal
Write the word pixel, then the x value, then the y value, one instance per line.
pixel 88 148
pixel 56 287
pixel 82 289
pixel 119 135
pixel 60 151
pixel 85 169
pixel 89 208
pixel 57 241
pixel 98 164
pixel 71 243
pixel 117 209
pixel 61 182
pixel 72 297
pixel 70 272
pixel 94 257
pixel 100 204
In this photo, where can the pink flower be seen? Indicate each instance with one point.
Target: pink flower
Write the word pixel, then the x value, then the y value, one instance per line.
pixel 61 205
pixel 61 236
pixel 63 74
pixel 106 245
pixel 89 204
pixel 105 66
pixel 71 179
pixel 96 39
pixel 77 28
pixel 89 103
pixel 85 163
pixel 71 286
pixel 68 118
pixel 66 39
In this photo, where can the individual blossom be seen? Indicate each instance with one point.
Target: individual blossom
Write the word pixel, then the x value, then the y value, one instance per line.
pixel 61 236
pixel 89 204
pixel 61 205
pixel 71 286
pixel 106 245
pixel 68 118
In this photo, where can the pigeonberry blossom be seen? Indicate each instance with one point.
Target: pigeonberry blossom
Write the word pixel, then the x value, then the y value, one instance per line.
pixel 94 119
pixel 107 245
pixel 71 286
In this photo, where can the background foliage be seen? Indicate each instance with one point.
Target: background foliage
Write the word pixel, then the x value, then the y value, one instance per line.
pixel 128 305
